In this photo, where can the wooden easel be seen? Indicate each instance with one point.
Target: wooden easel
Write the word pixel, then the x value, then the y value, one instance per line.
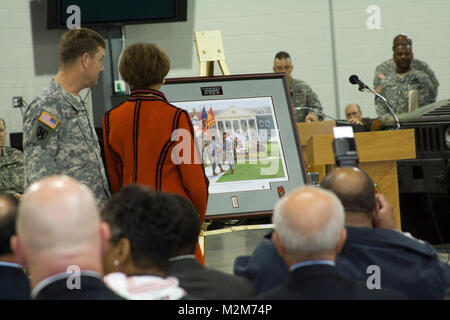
pixel 210 49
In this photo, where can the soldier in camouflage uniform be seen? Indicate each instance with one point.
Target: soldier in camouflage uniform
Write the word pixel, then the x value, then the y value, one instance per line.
pixel 59 137
pixel 389 66
pixel 11 166
pixel 395 86
pixel 301 93
pixel 396 77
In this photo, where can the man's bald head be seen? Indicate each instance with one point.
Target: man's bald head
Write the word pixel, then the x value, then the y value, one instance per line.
pixel 8 208
pixel 353 110
pixel 401 39
pixel 309 222
pixel 353 187
pixel 58 216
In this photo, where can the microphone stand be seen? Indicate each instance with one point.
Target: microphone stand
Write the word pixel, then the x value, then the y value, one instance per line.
pixel 364 88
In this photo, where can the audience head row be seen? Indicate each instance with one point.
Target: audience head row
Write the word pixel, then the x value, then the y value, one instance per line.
pixel 58 216
pixel 58 224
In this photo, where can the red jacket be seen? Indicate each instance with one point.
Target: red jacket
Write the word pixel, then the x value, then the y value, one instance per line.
pixel 139 148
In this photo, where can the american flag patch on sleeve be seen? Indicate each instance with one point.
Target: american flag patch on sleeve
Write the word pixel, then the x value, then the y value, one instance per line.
pixel 48 120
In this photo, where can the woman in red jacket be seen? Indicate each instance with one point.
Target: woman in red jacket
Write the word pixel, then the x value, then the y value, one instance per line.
pixel 142 135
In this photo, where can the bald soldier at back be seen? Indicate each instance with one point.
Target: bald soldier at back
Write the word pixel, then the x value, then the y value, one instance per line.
pixel 60 240
pixel 405 263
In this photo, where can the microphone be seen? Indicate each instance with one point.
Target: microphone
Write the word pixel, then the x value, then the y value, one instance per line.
pixel 355 80
pixel 363 87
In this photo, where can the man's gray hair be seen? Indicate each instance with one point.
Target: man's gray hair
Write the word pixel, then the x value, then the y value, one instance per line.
pixel 295 236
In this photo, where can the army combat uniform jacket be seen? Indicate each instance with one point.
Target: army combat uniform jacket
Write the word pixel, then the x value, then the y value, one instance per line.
pixel 389 66
pixel 395 89
pixel 11 170
pixel 303 96
pixel 59 138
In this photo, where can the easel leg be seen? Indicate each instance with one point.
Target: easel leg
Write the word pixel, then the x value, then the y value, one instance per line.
pixel 224 67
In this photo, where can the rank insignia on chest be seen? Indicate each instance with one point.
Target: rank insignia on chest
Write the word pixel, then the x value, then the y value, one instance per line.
pixel 49 120
pixel 380 76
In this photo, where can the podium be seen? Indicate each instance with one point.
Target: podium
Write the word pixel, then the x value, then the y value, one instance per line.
pixel 378 152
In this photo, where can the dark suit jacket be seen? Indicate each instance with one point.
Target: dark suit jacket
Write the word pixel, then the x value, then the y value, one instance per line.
pixel 14 284
pixel 322 282
pixel 265 267
pixel 203 283
pixel 407 265
pixel 91 288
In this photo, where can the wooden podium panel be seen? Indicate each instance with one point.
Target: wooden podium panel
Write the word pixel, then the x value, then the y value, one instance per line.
pixel 305 131
pixel 378 152
pixel 372 146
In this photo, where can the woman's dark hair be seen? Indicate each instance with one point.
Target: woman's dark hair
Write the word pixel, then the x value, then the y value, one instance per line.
pixel 152 221
pixel 144 64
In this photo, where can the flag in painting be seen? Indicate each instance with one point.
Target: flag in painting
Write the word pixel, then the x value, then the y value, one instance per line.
pixel 204 119
pixel 211 119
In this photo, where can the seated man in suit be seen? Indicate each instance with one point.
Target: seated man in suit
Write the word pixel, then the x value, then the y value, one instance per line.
pixel 198 281
pixel 353 115
pixel 408 265
pixel 60 240
pixel 144 233
pixel 14 283
pixel 309 234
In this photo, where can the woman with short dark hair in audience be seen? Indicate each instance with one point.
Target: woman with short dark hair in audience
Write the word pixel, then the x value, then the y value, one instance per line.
pixel 144 236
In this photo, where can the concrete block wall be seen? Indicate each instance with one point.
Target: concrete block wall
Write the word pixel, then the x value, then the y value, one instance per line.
pixel 359 50
pixel 253 31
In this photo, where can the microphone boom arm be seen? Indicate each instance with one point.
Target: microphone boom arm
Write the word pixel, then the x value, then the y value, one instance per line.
pixel 365 88
pixel 389 107
pixel 316 110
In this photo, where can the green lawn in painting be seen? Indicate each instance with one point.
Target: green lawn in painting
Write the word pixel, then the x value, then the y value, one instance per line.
pixel 251 171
